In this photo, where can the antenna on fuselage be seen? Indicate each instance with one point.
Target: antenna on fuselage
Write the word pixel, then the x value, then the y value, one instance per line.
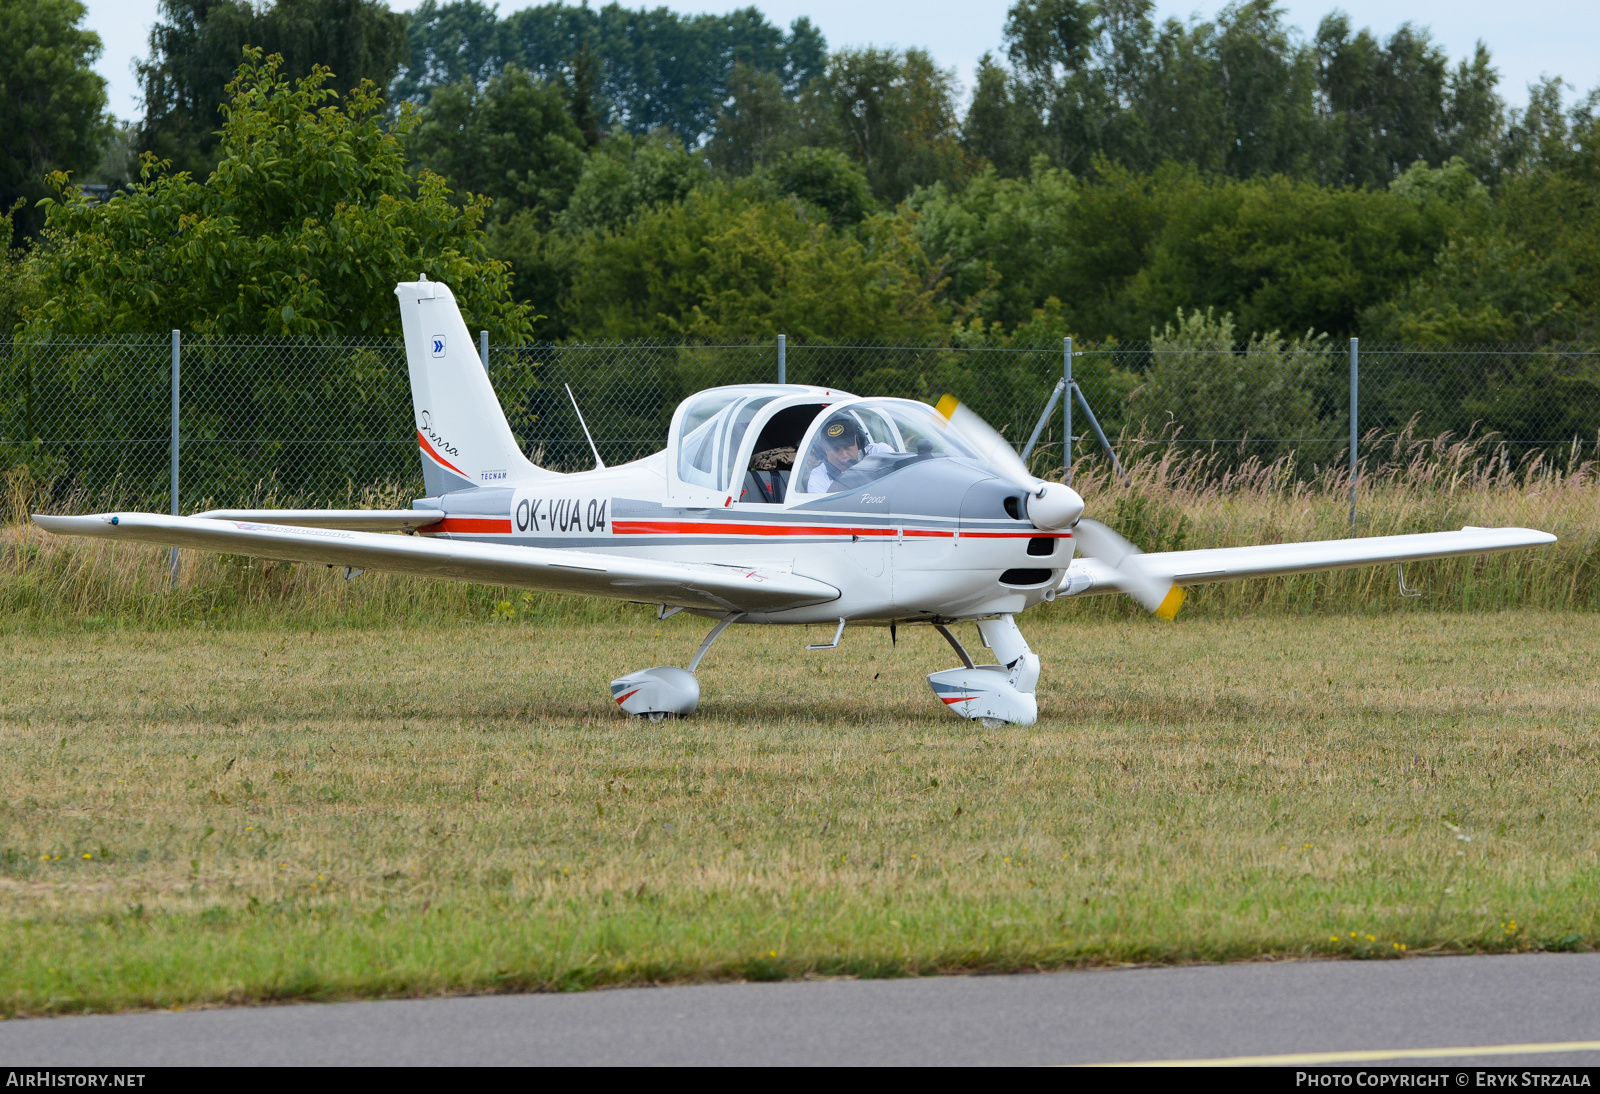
pixel 599 464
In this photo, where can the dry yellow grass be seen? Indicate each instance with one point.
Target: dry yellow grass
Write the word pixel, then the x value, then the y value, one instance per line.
pixel 201 814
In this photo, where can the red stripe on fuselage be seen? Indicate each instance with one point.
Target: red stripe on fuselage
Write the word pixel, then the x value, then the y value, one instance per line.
pixel 732 528
pixel 1018 535
pixel 471 524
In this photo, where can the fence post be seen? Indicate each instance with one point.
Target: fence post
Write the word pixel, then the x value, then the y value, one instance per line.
pixel 1066 406
pixel 173 446
pixel 783 364
pixel 1355 374
pixel 483 350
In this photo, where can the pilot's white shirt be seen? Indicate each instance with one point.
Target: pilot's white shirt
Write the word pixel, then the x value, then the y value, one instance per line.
pixel 821 482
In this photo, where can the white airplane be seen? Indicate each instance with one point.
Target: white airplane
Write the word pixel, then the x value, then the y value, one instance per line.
pixel 772 503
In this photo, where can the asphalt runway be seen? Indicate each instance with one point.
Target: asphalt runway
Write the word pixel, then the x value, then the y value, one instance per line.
pixel 1318 1011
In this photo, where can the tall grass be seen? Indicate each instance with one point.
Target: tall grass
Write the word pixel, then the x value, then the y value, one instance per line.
pixel 1177 497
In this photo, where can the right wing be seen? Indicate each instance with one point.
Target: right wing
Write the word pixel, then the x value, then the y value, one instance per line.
pixel 587 573
pixel 1087 575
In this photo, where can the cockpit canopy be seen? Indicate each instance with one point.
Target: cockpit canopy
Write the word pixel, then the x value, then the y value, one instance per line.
pixel 769 443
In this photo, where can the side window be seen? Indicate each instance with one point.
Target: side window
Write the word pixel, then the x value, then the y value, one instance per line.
pixel 739 426
pixel 697 444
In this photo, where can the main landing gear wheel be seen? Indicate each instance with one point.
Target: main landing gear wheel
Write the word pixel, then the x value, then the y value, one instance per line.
pixel 993 695
pixel 656 693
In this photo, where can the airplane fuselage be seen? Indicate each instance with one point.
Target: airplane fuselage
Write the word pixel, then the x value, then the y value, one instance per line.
pixel 933 541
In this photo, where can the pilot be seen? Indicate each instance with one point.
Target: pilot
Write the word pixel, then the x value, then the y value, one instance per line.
pixel 841 445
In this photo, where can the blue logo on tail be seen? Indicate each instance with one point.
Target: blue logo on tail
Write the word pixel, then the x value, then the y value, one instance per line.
pixel 438 345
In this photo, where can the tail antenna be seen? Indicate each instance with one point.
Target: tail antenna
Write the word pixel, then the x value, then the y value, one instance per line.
pixel 599 464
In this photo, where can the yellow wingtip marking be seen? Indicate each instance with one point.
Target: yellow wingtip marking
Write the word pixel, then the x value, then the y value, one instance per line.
pixel 947 405
pixel 1168 608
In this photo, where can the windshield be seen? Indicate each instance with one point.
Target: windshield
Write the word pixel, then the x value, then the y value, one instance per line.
pixel 866 440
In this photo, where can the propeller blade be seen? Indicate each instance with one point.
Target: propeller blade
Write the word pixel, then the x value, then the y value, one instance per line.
pixel 985 440
pixel 1153 592
pixel 1051 505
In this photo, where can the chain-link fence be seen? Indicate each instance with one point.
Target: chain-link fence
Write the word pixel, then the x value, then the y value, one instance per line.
pixel 296 423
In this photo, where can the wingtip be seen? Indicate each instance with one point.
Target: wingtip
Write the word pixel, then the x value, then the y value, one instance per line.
pixel 1534 536
pixel 85 524
pixel 1168 608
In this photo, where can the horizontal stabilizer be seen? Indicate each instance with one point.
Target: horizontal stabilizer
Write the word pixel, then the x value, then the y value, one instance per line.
pixel 355 520
pixel 1087 575
pixel 585 573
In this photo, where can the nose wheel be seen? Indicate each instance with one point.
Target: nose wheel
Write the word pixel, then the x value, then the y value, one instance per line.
pixel 993 695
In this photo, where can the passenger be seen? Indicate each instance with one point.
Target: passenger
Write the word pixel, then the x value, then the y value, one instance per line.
pixel 842 450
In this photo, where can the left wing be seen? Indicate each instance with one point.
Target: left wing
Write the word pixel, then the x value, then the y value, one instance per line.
pixel 587 573
pixel 1087 575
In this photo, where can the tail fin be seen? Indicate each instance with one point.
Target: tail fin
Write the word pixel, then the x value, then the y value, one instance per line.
pixel 461 429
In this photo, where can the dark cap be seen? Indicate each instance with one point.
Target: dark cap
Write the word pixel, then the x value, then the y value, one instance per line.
pixel 839 434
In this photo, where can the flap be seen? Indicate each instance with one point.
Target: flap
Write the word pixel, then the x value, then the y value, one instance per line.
pixel 356 520
pixel 586 573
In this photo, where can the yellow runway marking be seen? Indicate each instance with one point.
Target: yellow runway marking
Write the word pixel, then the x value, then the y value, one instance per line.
pixel 1367 1056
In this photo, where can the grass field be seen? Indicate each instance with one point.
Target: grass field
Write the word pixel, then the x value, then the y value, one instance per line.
pixel 195 814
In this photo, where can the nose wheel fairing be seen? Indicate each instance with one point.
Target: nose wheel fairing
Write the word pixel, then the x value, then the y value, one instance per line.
pixel 992 694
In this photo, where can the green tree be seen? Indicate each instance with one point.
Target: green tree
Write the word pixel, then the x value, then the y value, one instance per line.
pixel 512 141
pixel 1522 267
pixel 1000 129
pixel 1010 242
pixel 627 174
pixel 1243 95
pixel 52 103
pixel 16 277
pixel 542 262
pixel 759 122
pixel 1281 254
pixel 894 113
pixel 654 67
pixel 579 83
pixel 1474 122
pixel 303 229
pixel 827 179
pixel 196 47
pixel 1122 250
pixel 1386 103
pixel 1203 384
pixel 730 263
